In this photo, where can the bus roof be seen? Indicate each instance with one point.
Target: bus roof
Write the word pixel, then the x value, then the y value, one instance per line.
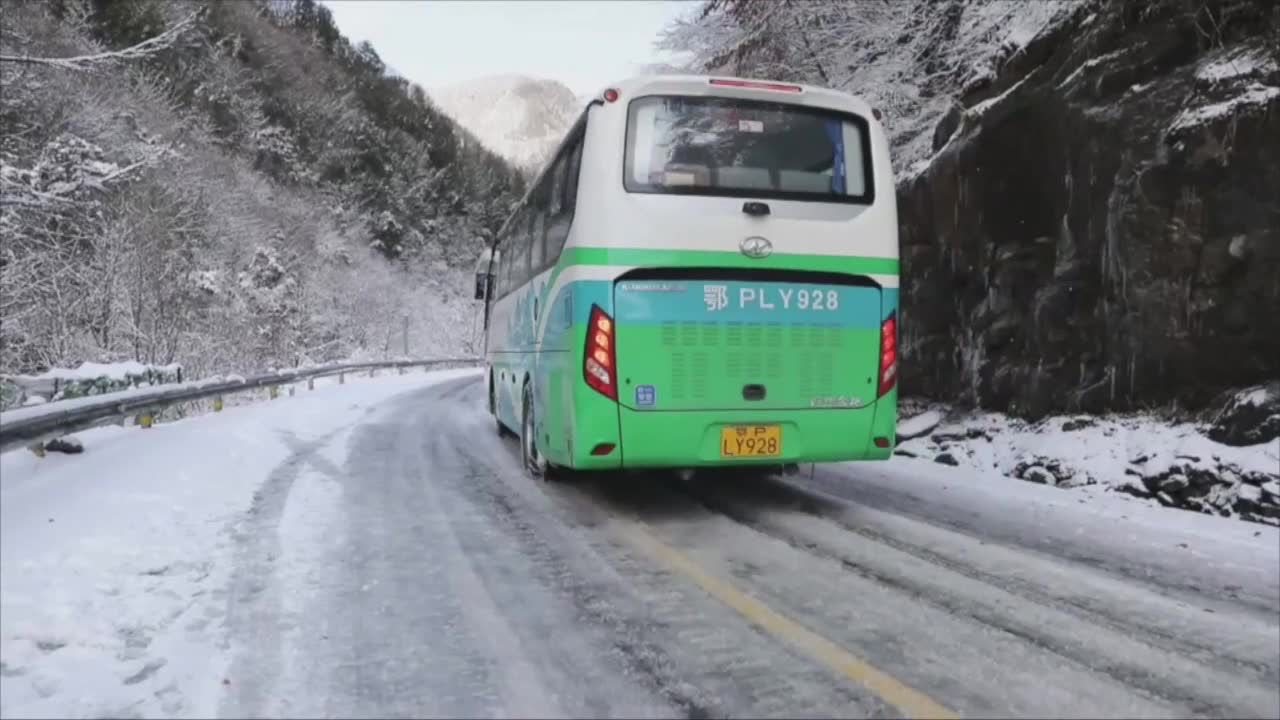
pixel 728 86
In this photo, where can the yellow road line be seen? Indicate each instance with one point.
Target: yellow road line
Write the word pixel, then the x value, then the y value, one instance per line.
pixel 908 700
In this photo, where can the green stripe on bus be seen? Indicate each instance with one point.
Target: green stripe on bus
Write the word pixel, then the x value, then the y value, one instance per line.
pixel 728 259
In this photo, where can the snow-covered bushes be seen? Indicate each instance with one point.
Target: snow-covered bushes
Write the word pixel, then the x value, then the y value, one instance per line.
pixel 90 378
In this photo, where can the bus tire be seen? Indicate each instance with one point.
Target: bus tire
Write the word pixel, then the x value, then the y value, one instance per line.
pixel 533 462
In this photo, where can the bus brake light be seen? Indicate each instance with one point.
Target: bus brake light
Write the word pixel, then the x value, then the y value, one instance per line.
pixel 599 366
pixel 888 355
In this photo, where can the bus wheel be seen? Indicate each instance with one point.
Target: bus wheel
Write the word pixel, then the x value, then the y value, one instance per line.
pixel 534 463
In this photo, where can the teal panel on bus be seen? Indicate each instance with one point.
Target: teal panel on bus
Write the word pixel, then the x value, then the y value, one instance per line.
pixel 888 302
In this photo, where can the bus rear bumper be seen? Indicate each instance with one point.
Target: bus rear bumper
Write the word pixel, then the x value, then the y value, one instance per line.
pixel 693 439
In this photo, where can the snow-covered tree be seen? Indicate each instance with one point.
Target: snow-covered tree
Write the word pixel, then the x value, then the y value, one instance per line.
pixel 248 190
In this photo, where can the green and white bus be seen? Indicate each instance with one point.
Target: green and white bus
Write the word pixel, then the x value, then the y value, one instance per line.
pixel 706 274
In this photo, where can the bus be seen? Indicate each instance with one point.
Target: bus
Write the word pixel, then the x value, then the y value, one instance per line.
pixel 705 274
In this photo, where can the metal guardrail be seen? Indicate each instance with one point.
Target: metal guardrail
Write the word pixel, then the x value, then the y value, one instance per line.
pixel 30 425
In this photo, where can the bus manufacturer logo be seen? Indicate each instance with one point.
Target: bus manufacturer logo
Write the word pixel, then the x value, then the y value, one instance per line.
pixel 836 401
pixel 756 247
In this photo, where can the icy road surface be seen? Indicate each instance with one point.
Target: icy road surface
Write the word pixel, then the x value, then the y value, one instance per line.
pixel 374 550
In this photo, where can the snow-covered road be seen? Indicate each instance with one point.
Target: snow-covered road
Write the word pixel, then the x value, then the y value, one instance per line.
pixel 374 550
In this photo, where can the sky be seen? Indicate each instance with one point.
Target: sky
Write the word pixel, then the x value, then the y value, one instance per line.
pixel 584 44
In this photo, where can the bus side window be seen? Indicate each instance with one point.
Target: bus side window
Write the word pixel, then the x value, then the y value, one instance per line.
pixel 520 274
pixel 504 269
pixel 563 194
pixel 555 199
pixel 571 176
pixel 537 232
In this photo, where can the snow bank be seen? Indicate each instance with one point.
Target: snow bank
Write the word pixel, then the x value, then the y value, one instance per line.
pixel 1142 456
pixel 114 565
pixel 89 378
pixel 61 406
pixel 112 371
pixel 1094 522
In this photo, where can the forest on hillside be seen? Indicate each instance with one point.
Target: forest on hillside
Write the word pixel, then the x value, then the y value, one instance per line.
pixel 229 185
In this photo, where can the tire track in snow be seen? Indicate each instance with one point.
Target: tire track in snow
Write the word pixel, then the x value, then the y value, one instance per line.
pixel 1109 648
pixel 1085 592
pixel 254 606
pixel 706 661
pixel 840 486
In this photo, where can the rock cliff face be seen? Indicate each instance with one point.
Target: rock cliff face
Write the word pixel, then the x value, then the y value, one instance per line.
pixel 1099 228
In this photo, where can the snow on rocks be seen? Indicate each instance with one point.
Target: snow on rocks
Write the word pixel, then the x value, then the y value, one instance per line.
pixel 1236 63
pixel 1175 465
pixel 1254 98
pixel 946 458
pixel 918 425
pixel 1250 416
pixel 69 445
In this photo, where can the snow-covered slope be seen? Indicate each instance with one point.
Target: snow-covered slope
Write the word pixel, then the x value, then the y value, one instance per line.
pixel 519 117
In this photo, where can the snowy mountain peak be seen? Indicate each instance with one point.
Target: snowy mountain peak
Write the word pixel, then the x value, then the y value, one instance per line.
pixel 520 118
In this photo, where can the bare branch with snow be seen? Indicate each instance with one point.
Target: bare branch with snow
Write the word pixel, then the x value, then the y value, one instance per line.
pixel 82 63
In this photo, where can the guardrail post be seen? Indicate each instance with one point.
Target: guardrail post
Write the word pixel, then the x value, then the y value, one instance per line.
pixel 400 369
pixel 372 371
pixel 274 391
pixel 342 378
pixel 217 404
pixel 292 390
pixel 311 383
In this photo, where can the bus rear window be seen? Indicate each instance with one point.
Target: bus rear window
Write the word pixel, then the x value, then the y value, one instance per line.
pixel 744 148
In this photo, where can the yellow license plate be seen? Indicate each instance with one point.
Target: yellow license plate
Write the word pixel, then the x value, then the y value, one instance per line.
pixel 747 441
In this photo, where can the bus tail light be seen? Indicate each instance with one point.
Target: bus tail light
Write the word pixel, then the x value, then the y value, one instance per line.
pixel 599 365
pixel 888 355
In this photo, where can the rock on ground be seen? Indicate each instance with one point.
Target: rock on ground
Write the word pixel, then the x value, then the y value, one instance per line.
pixel 1251 416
